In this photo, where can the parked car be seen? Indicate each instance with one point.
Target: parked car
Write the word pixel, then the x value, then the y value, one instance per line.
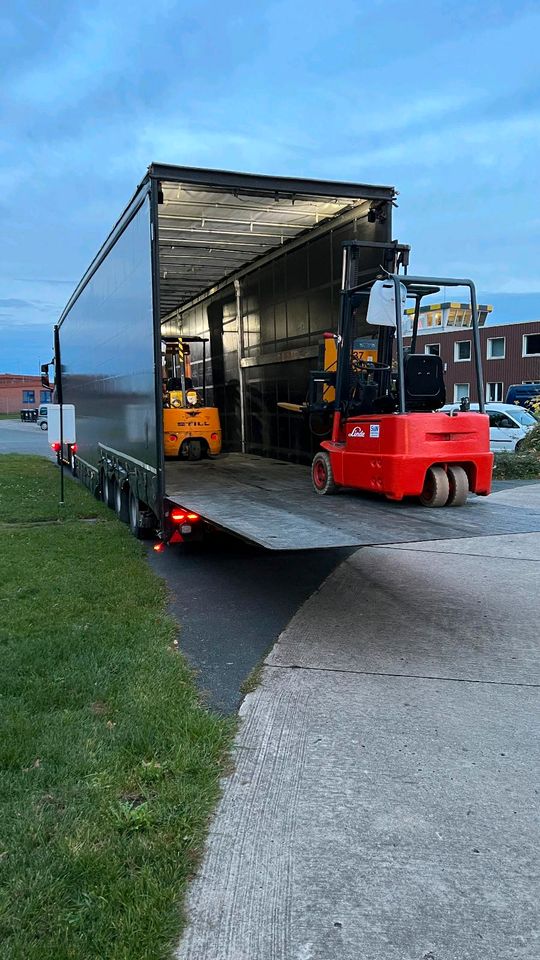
pixel 523 393
pixel 42 417
pixel 509 424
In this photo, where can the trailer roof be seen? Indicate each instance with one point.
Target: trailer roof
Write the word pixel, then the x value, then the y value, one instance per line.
pixel 213 224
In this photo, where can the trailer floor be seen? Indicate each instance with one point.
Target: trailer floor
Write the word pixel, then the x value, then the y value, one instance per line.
pixel 272 503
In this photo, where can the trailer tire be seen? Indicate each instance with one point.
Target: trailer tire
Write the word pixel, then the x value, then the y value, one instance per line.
pixel 459 486
pixel 138 531
pixel 107 491
pixel 322 476
pixel 121 503
pixel 436 488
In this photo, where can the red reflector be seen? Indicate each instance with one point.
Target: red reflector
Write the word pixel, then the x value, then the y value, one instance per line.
pixel 213 436
pixel 173 437
pixel 193 516
pixel 178 515
pixel 159 547
pixel 176 538
pixel 55 446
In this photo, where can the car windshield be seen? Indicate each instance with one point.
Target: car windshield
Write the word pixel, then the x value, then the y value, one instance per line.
pixel 523 417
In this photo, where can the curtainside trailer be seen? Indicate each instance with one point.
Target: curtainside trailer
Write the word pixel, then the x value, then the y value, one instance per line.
pixel 205 327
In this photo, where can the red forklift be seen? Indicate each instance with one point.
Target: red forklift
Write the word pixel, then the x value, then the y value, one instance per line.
pixel 387 434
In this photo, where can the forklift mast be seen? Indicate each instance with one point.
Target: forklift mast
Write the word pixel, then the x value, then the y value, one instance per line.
pixel 355 294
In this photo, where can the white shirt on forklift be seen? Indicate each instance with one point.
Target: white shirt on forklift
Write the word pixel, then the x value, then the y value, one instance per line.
pixel 381 307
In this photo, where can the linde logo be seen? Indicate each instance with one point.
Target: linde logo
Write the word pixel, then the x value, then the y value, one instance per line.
pixel 357 432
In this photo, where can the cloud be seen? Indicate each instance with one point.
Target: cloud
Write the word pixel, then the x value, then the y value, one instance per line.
pixel 16 304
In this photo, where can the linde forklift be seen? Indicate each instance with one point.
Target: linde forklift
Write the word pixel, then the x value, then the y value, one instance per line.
pixel 387 434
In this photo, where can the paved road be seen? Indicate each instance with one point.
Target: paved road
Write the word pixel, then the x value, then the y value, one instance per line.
pixel 385 796
pixel 232 601
pixel 19 437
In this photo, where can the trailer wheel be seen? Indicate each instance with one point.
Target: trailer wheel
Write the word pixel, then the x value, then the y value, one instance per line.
pixel 436 488
pixel 108 491
pixel 321 474
pixel 459 486
pixel 121 503
pixel 138 530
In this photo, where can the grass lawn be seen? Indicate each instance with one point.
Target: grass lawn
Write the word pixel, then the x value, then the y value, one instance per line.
pixel 9 416
pixel 109 765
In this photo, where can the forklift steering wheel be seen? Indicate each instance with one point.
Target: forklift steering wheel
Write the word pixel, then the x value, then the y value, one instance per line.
pixel 360 366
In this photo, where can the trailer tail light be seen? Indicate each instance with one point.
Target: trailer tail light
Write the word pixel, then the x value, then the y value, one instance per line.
pixel 55 446
pixel 173 437
pixel 159 547
pixel 177 515
pixel 214 436
pixel 74 448
pixel 192 516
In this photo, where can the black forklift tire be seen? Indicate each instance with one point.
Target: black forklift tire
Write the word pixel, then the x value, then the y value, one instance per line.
pixel 121 503
pixel 459 486
pixel 436 488
pixel 195 450
pixel 322 477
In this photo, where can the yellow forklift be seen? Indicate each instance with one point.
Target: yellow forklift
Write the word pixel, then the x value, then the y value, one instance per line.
pixel 191 429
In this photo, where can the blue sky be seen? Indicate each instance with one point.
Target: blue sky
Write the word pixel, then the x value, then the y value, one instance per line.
pixel 440 99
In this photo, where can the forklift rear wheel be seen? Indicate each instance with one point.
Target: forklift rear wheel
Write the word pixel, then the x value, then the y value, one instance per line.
pixel 195 450
pixel 459 486
pixel 436 488
pixel 321 474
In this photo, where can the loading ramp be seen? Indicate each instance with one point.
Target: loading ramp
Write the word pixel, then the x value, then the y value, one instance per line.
pixel 271 503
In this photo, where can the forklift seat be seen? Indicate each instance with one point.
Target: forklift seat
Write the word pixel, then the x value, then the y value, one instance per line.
pixel 424 382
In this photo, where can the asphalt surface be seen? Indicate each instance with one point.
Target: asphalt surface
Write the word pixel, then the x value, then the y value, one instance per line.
pixel 232 601
pixel 19 437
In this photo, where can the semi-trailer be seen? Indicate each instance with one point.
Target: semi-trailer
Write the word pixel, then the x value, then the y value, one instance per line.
pixel 249 271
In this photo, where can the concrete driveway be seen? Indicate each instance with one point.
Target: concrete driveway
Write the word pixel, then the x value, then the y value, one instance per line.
pixel 385 798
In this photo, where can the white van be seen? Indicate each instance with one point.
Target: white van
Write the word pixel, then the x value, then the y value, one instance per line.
pixel 508 424
pixel 42 417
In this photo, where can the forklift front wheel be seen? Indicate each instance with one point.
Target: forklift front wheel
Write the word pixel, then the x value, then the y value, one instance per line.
pixel 436 488
pixel 321 474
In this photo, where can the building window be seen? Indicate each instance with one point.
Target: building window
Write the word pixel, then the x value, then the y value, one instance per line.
pixel 433 349
pixel 462 350
pixel 496 348
pixel 45 396
pixel 531 344
pixel 494 392
pixel 29 396
pixel 461 390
